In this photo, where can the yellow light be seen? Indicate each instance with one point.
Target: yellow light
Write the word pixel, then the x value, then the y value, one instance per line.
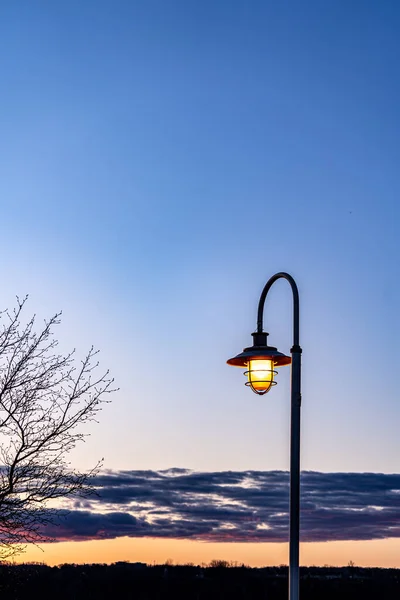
pixel 260 375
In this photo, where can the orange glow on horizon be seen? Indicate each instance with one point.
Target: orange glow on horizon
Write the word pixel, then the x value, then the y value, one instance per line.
pixel 373 553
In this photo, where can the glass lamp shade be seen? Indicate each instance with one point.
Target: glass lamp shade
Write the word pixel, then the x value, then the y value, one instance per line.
pixel 260 361
pixel 260 375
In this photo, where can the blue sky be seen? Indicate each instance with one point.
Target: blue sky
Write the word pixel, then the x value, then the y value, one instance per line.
pixel 159 161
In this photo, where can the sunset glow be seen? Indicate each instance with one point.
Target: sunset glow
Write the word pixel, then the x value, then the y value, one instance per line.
pixel 381 553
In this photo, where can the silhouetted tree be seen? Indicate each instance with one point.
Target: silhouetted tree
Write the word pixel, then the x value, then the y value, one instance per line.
pixel 44 397
pixel 351 564
pixel 219 564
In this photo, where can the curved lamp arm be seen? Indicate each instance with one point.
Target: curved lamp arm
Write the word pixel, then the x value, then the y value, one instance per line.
pixel 296 309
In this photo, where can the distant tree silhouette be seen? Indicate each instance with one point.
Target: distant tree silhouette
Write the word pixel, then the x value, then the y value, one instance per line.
pixel 219 564
pixel 44 397
pixel 351 564
pixel 125 580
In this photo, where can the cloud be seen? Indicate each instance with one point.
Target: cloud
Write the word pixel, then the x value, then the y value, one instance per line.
pixel 234 506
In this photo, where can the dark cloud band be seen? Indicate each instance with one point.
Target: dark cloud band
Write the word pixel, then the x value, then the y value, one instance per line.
pixel 234 506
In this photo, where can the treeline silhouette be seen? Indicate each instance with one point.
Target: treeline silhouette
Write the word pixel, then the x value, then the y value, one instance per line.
pixel 218 580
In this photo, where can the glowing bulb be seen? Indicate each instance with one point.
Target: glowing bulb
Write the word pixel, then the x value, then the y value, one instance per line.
pixel 260 375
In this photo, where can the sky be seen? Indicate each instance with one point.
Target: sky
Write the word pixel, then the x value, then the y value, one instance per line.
pixel 159 161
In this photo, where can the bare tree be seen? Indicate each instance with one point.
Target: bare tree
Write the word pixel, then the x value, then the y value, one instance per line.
pixel 44 398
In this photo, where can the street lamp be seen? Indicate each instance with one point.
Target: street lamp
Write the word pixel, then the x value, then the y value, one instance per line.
pixel 260 360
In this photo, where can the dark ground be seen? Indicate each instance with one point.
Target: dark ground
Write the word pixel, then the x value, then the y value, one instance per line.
pixel 140 582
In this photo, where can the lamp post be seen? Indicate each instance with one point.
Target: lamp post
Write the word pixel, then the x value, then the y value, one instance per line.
pixel 260 360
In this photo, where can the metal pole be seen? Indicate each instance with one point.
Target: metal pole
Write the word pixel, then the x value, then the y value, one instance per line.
pixel 294 539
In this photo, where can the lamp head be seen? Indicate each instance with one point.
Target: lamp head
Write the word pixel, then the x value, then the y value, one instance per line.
pixel 260 360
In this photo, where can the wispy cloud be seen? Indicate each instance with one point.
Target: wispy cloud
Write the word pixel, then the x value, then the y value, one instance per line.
pixel 234 506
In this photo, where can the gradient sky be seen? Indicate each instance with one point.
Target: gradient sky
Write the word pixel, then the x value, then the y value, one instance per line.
pixel 159 161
